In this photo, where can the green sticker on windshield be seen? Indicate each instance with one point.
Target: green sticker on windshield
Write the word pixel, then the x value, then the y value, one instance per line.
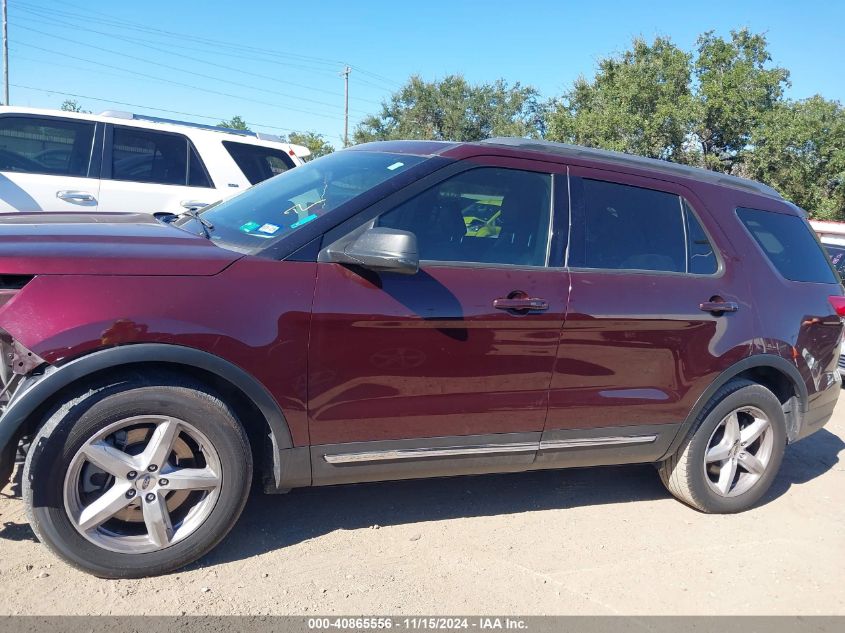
pixel 249 227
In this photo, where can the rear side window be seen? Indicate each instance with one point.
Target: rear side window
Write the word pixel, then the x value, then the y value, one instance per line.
pixel 621 227
pixel 256 162
pixel 155 157
pixel 790 245
pixel 34 145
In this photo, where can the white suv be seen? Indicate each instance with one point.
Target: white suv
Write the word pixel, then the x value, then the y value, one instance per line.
pixel 52 160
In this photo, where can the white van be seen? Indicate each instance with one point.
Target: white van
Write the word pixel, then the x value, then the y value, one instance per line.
pixel 51 160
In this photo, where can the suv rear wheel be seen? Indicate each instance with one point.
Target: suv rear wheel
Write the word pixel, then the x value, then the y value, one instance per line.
pixel 137 477
pixel 728 463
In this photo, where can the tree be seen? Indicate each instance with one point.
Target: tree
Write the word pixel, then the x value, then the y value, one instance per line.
pixel 70 105
pixel 798 147
pixel 315 142
pixel 735 89
pixel 235 123
pixel 639 102
pixel 453 109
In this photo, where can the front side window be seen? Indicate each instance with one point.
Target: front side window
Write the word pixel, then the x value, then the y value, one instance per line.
pixel 35 145
pixel 485 215
pixel 154 157
pixel 256 162
pixel 622 227
pixel 790 244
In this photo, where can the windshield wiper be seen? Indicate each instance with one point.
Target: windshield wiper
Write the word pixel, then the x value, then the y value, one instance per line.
pixel 207 226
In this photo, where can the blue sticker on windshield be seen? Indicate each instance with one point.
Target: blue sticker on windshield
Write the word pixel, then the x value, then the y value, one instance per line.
pixel 395 166
pixel 304 220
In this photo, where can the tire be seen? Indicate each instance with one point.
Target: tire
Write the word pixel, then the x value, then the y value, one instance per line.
pixel 696 475
pixel 203 443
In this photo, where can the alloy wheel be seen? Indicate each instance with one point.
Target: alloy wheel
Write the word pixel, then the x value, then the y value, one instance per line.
pixel 142 484
pixel 739 451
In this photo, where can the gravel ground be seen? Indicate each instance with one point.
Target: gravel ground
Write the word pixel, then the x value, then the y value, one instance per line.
pixel 589 541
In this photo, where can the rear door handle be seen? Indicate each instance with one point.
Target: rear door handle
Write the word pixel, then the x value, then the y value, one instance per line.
pixel 719 306
pixel 527 303
pixel 78 197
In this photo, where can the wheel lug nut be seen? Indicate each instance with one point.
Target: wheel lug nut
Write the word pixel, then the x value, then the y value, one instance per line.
pixel 163 482
pixel 130 493
pixel 150 497
pixel 152 468
pixel 131 474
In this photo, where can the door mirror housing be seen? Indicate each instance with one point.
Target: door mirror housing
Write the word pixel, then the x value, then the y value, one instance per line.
pixel 380 249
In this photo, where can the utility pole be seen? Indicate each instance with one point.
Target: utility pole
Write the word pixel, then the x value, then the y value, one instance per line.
pixel 345 75
pixel 5 55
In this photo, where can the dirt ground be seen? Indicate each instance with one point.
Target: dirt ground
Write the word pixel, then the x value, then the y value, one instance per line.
pixel 591 541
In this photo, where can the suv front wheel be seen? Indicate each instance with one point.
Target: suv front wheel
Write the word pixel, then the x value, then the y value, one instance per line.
pixel 731 458
pixel 137 477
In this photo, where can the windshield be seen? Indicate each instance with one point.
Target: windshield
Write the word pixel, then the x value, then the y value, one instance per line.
pixel 271 210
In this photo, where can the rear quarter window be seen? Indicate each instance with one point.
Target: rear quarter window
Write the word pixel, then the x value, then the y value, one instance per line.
pixel 790 245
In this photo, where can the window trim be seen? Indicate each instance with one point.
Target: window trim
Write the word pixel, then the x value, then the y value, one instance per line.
pixel 683 199
pixel 108 157
pixel 366 218
pixel 94 164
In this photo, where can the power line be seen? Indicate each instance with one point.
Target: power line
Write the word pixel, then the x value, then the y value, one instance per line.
pixel 180 83
pixel 193 36
pixel 183 70
pixel 215 42
pixel 202 61
pixel 144 107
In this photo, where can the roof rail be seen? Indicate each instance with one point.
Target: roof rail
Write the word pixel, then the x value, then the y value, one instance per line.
pixel 630 160
pixel 119 114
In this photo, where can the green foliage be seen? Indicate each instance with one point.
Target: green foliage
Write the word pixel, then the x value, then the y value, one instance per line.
pixel 453 109
pixel 313 141
pixel 235 123
pixel 639 102
pixel 71 105
pixel 735 89
pixel 721 107
pixel 799 148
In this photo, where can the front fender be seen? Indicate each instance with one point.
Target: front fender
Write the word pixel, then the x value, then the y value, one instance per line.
pixel 38 389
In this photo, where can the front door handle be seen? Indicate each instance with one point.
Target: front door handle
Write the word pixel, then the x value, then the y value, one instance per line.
pixel 719 307
pixel 77 197
pixel 521 303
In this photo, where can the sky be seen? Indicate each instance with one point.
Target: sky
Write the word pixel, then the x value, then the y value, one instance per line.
pixel 277 64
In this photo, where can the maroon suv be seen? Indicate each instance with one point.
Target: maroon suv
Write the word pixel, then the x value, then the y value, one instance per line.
pixel 406 309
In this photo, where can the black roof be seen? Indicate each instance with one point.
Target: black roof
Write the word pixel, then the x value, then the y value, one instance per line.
pixel 629 160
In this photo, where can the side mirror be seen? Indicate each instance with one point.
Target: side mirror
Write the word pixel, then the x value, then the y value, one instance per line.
pixel 381 249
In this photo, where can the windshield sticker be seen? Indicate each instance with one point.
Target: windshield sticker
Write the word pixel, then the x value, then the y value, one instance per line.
pixel 304 220
pixel 269 229
pixel 395 166
pixel 249 227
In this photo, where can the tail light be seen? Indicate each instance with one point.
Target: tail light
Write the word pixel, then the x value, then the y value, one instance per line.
pixel 838 304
